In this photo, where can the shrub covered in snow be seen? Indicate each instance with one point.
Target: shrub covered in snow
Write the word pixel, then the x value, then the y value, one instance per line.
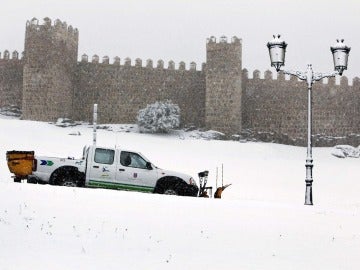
pixel 159 117
pixel 65 122
pixel 343 151
pixel 11 110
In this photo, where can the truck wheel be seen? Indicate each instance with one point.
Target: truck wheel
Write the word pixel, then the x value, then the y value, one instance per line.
pixel 68 182
pixel 170 191
pixel 68 177
pixel 170 186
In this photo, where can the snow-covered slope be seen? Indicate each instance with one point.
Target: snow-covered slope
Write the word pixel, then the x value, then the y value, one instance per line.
pixel 261 222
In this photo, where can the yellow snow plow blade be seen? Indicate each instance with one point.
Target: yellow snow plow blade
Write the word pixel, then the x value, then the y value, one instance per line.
pixel 20 163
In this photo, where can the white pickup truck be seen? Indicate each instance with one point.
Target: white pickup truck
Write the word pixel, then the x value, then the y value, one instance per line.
pixel 107 168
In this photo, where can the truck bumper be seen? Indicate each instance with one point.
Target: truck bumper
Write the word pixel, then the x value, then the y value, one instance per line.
pixel 191 190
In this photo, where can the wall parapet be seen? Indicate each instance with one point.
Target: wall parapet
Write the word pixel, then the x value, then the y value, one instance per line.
pixel 149 63
pixel 223 39
pixel 14 56
pixel 57 26
pixel 268 75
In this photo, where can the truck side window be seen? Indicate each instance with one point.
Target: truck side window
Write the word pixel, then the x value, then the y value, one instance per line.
pixel 129 159
pixel 104 156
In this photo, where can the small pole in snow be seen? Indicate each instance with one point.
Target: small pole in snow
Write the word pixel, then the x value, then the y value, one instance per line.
pixel 94 124
pixel 216 177
pixel 222 175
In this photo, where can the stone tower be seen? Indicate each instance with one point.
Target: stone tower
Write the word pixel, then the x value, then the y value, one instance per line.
pixel 223 85
pixel 49 66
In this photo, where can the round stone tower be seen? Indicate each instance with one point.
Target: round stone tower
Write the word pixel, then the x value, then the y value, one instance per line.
pixel 49 66
pixel 223 85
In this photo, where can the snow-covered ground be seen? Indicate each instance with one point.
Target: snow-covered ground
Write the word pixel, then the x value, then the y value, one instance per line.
pixel 261 222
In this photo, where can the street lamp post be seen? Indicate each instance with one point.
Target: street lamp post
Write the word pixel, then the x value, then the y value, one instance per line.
pixel 340 51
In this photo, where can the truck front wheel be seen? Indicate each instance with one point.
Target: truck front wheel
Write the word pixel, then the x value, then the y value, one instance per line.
pixel 170 185
pixel 170 191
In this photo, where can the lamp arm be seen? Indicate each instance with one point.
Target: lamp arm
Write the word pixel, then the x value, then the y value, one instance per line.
pixel 301 75
pixel 319 76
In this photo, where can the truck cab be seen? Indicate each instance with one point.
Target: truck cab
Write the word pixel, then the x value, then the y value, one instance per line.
pixel 115 168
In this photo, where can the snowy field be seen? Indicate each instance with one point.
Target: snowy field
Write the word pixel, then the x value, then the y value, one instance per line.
pixel 261 222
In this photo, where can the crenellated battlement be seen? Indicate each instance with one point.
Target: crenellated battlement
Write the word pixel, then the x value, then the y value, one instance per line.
pixel 223 40
pixel 47 44
pixel 149 63
pixel 268 75
pixel 56 27
pixel 14 56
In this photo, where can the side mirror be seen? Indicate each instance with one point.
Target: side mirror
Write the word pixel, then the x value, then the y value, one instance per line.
pixel 148 166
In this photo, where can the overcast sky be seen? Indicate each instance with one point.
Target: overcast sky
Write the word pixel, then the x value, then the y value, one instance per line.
pixel 177 29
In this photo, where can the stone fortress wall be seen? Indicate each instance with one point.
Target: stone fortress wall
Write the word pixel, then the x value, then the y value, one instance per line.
pixel 121 90
pixel 50 62
pixel 48 82
pixel 11 79
pixel 278 108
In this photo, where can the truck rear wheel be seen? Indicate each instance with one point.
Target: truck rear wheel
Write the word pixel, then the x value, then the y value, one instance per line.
pixel 67 176
pixel 69 183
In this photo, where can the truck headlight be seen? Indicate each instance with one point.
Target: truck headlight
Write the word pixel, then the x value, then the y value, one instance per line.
pixel 192 181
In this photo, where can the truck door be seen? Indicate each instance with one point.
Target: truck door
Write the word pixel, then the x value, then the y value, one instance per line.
pixel 133 173
pixel 102 169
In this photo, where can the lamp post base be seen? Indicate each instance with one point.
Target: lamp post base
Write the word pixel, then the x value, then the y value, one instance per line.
pixel 308 193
